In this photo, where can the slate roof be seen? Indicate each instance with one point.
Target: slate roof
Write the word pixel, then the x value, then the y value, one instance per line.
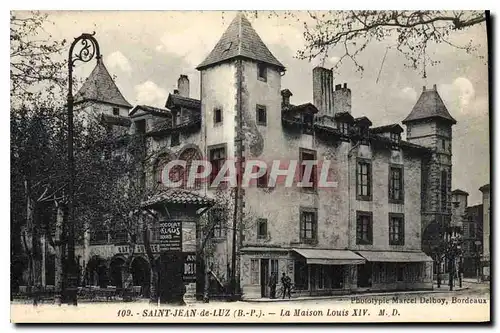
pixel 387 128
pixel 484 188
pixel 345 116
pixel 177 196
pixel 175 100
pixel 150 109
pixel 306 107
pixel 100 87
pixel 165 127
pixel 116 120
pixel 458 191
pixel 363 120
pixel 240 40
pixel 429 105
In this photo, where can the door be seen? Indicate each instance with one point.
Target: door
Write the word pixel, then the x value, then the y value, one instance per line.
pixel 264 277
pixel 171 284
pixel 365 275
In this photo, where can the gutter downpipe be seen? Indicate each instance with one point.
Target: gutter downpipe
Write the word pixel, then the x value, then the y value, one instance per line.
pixel 349 221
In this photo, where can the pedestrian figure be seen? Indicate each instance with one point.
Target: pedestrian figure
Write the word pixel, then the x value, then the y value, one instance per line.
pixel 272 284
pixel 286 282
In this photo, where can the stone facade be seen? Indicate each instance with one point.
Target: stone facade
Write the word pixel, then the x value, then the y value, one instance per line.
pixel 242 108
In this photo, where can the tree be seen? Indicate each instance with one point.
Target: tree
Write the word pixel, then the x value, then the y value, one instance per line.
pixel 39 152
pixel 36 65
pixel 348 33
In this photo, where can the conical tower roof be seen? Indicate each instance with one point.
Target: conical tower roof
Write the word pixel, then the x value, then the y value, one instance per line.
pixel 429 105
pixel 240 40
pixel 100 87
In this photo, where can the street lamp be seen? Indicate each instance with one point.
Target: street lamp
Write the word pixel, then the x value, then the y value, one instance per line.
pixel 453 250
pixel 89 48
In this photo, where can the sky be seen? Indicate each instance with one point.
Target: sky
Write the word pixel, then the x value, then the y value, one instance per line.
pixel 146 51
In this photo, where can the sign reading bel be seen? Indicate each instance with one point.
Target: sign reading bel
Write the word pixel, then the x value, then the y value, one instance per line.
pixel 190 267
pixel 171 236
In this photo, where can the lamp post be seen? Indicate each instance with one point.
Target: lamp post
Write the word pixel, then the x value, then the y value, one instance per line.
pixel 477 249
pixel 88 49
pixel 453 250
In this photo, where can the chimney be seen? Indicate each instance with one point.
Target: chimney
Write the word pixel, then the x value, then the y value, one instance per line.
pixel 341 99
pixel 323 90
pixel 285 94
pixel 183 85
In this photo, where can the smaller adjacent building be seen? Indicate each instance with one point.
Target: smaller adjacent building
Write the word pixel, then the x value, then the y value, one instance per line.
pixel 473 241
pixel 485 258
pixel 470 220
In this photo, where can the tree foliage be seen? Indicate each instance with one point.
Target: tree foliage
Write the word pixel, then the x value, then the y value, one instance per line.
pixel 36 61
pixel 346 34
pixel 39 169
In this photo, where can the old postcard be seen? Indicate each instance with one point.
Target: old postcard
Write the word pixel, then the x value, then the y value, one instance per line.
pixel 250 166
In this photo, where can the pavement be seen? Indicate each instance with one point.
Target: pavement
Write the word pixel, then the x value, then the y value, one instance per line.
pixel 443 289
pixel 470 287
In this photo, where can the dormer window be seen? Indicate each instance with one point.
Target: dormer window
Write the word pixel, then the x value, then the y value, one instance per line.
pixel 344 128
pixel 363 124
pixel 116 111
pixel 175 118
pixel 395 137
pixel 364 135
pixel 262 72
pixel 140 126
pixel 307 123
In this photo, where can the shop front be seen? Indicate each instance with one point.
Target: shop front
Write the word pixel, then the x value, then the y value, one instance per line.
pixel 313 272
pixel 319 272
pixel 392 270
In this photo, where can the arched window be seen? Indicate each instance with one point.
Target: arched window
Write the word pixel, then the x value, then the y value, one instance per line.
pixel 189 155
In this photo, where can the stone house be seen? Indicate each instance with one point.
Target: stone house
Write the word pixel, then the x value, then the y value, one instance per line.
pixel 369 232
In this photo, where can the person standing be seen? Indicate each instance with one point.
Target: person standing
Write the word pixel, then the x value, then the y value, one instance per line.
pixel 286 283
pixel 272 284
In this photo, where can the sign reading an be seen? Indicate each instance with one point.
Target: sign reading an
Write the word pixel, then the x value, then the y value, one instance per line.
pixel 171 236
pixel 190 267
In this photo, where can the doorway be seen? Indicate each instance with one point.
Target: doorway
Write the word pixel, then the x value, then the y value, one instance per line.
pixel 116 268
pixel 264 277
pixel 141 274
pixel 365 275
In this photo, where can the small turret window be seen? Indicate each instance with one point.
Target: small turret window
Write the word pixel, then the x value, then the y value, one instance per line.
pixel 262 72
pixel 116 111
pixel 217 116
pixel 261 115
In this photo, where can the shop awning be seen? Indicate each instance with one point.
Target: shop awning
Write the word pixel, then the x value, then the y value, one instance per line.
pixel 330 257
pixel 394 256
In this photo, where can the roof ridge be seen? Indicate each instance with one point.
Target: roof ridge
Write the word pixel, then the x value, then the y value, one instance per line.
pixel 240 40
pixel 101 87
pixel 429 105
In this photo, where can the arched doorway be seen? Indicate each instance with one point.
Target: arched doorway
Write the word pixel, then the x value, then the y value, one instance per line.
pixel 97 272
pixel 116 272
pixel 141 274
